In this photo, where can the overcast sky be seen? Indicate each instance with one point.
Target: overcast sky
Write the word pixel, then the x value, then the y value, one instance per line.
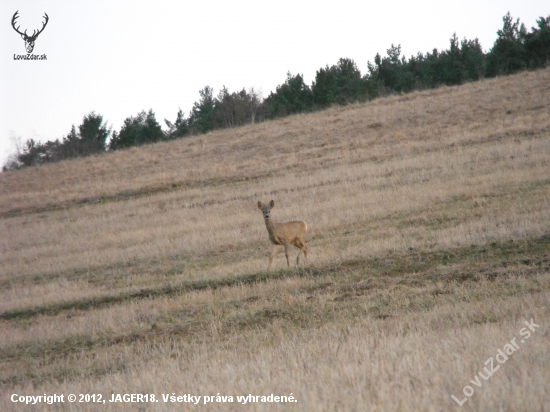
pixel 120 57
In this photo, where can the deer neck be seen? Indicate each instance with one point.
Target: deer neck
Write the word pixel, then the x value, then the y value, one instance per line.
pixel 270 227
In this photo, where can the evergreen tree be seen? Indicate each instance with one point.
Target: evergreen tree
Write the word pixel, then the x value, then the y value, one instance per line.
pixel 451 65
pixel 537 44
pixel 202 115
pixel 138 130
pixel 390 73
pixel 179 128
pixel 473 59
pixel 93 134
pixel 294 96
pixel 341 83
pixel 508 54
pixel 463 61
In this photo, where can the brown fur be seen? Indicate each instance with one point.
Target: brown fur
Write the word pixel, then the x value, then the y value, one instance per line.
pixel 284 234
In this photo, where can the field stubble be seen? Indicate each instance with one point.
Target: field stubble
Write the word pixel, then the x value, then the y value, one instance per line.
pixel 144 270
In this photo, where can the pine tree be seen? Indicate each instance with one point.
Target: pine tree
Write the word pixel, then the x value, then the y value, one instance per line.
pixel 508 54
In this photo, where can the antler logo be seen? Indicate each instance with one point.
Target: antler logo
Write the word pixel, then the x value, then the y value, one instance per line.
pixel 29 40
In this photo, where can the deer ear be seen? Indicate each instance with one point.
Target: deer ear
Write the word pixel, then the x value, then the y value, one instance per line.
pixel 271 204
pixel 259 205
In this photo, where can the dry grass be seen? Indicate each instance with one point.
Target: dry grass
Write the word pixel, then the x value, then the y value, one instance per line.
pixel 143 270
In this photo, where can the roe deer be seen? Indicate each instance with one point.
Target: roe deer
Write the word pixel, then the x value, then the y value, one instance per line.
pixel 284 233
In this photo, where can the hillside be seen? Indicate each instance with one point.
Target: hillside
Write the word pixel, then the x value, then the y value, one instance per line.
pixel 143 270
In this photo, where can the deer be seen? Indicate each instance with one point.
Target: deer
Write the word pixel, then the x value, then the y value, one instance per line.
pixel 29 40
pixel 284 234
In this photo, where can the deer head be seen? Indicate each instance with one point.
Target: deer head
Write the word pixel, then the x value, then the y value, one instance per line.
pixel 29 40
pixel 266 209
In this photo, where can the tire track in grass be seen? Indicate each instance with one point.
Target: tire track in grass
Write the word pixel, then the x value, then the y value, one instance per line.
pixel 531 251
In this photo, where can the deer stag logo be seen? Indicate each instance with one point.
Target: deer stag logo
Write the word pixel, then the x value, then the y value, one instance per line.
pixel 29 40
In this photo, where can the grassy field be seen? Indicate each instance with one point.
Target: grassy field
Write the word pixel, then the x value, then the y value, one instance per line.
pixel 144 270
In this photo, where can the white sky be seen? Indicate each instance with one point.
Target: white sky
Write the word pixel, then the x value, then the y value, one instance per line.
pixel 120 57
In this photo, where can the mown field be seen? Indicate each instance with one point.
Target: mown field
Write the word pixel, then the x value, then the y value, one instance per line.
pixel 144 270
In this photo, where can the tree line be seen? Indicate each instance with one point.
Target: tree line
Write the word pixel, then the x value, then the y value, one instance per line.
pixel 515 49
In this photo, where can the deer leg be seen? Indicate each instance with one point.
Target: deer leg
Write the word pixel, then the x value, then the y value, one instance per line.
pixel 286 254
pixel 303 249
pixel 273 250
pixel 299 245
